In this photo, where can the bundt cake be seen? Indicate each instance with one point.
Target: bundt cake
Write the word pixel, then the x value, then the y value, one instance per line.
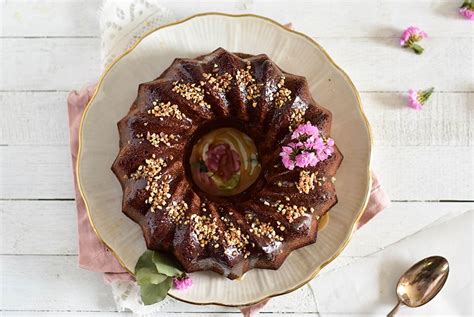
pixel 226 163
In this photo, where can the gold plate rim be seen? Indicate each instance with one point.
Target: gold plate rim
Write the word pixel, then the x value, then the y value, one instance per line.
pixel 311 41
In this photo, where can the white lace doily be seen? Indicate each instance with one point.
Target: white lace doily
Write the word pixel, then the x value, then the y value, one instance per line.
pixel 127 298
pixel 123 22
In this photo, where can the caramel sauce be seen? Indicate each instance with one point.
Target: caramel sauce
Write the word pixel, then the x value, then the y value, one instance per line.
pixel 323 222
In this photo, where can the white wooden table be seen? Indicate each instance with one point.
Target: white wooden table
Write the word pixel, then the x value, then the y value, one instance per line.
pixel 424 159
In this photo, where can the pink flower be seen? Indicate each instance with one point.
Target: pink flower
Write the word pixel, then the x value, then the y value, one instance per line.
pixel 305 159
pixel 287 154
pixel 223 160
pixel 305 131
pixel 467 10
pixel 411 36
pixel 308 147
pixel 416 99
pixel 182 282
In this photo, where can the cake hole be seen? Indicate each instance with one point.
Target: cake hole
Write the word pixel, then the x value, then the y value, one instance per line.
pixel 224 162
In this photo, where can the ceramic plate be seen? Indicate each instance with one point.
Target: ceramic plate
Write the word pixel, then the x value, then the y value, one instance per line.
pixel 295 53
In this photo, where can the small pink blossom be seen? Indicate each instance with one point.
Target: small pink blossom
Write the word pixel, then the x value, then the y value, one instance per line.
pixel 411 36
pixel 416 99
pixel 308 147
pixel 182 282
pixel 305 159
pixel 305 131
pixel 467 10
pixel 287 154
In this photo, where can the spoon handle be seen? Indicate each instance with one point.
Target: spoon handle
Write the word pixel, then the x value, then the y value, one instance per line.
pixel 395 309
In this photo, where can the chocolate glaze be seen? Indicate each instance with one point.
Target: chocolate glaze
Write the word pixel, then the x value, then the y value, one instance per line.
pixel 265 123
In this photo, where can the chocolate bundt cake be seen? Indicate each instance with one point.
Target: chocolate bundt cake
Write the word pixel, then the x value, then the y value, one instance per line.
pixel 226 163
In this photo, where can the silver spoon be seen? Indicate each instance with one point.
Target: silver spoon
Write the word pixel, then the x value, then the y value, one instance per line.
pixel 421 282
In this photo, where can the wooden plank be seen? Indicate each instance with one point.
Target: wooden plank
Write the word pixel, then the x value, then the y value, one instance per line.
pixel 407 172
pixel 40 118
pixel 379 64
pixel 50 18
pixel 67 63
pixel 42 237
pixel 44 279
pixel 446 120
pixel 367 18
pixel 426 173
pixel 33 118
pixel 36 172
pixel 27 227
pixel 49 63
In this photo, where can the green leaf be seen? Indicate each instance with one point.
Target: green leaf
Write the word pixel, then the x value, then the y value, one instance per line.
pixel 145 261
pixel 154 293
pixel 164 265
pixel 148 275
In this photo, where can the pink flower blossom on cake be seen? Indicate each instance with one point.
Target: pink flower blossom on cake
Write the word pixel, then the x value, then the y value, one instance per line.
pixel 308 147
pixel 305 131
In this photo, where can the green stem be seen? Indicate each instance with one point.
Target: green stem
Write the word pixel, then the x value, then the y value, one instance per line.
pixel 467 4
pixel 417 48
pixel 425 94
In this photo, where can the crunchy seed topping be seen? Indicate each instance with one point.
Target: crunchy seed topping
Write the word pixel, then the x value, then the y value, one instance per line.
pixel 155 139
pixel 166 110
pixel 204 227
pixel 321 180
pixel 285 184
pixel 291 212
pixel 191 92
pixel 151 168
pixel 306 181
pixel 296 117
pixel 235 238
pixel 245 78
pixel 220 83
pixel 265 229
pixel 176 211
pixel 159 193
pixel 158 188
pixel 282 95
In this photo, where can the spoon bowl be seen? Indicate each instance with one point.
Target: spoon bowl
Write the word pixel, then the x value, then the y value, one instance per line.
pixel 420 283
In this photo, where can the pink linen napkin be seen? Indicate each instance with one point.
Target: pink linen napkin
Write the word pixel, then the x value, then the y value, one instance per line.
pixel 94 255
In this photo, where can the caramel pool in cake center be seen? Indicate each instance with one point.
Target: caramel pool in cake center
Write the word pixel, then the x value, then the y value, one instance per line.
pixel 224 162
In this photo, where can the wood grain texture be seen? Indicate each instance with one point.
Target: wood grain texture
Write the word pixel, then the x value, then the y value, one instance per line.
pixel 36 172
pixel 50 275
pixel 318 18
pixel 70 63
pixel 446 120
pixel 26 227
pixel 426 173
pixel 49 63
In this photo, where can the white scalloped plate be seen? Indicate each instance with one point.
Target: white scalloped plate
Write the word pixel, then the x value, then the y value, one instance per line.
pixel 295 53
